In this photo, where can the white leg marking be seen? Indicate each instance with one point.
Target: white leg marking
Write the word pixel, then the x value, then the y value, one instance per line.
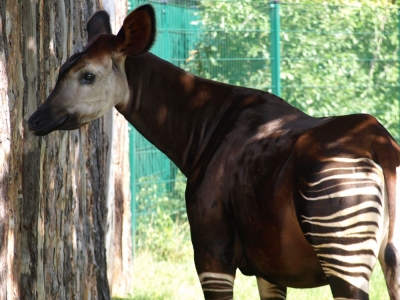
pixel 216 282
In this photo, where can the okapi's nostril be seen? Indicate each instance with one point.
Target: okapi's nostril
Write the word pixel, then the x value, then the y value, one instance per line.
pixel 36 123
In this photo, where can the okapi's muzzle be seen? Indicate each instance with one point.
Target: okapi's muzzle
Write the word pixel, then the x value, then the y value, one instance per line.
pixel 42 122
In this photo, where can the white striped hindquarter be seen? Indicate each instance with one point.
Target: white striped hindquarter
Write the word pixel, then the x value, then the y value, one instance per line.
pixel 345 217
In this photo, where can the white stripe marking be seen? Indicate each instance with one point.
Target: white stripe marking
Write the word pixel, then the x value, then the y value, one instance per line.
pixel 376 169
pixel 360 175
pixel 352 270
pixel 359 282
pixel 222 276
pixel 220 290
pixel 354 235
pixel 348 211
pixel 368 244
pixel 352 160
pixel 341 184
pixel 365 258
pixel 217 278
pixel 347 193
pixel 370 216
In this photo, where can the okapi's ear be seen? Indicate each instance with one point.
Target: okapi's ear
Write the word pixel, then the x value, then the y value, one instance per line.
pixel 98 23
pixel 137 34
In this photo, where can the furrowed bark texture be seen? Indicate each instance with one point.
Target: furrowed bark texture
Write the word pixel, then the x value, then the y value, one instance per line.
pixel 53 190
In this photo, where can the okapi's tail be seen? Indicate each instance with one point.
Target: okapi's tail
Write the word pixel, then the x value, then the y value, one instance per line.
pixel 389 159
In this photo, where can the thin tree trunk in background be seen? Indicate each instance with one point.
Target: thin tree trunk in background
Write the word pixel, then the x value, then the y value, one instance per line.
pixel 53 189
pixel 118 236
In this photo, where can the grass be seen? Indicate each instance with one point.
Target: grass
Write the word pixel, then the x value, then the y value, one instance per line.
pixel 176 279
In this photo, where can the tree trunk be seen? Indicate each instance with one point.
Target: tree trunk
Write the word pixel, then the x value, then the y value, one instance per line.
pixel 53 189
pixel 119 236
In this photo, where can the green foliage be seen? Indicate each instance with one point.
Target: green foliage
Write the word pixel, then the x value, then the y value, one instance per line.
pixel 161 223
pixel 335 59
pixel 341 60
pixel 234 45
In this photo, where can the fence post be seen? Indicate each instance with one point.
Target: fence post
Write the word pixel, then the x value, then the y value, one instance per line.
pixel 132 185
pixel 275 47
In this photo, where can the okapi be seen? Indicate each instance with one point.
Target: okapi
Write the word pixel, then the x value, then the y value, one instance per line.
pixel 294 200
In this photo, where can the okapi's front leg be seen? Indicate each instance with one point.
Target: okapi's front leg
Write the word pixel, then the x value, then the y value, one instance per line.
pixel 213 243
pixel 213 256
pixel 217 285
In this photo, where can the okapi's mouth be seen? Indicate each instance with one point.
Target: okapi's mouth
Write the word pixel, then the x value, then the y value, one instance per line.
pixel 41 125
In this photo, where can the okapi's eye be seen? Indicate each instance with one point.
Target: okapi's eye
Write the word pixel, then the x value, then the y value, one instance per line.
pixel 88 78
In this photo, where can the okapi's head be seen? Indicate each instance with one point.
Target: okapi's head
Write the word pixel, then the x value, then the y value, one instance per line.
pixel 93 81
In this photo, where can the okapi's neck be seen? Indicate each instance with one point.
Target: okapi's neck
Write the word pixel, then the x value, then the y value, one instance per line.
pixel 176 111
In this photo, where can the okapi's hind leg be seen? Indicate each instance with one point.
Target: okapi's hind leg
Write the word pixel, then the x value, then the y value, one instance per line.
pixel 391 269
pixel 269 291
pixel 344 221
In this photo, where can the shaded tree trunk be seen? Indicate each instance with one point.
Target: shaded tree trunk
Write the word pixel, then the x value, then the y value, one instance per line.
pixel 53 189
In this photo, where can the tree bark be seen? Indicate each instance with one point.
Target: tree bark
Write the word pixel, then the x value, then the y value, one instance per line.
pixel 54 201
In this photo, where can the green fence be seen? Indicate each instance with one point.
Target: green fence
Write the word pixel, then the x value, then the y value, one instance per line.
pixel 323 59
pixel 156 185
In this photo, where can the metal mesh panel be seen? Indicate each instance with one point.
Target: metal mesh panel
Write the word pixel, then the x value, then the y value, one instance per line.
pixel 233 44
